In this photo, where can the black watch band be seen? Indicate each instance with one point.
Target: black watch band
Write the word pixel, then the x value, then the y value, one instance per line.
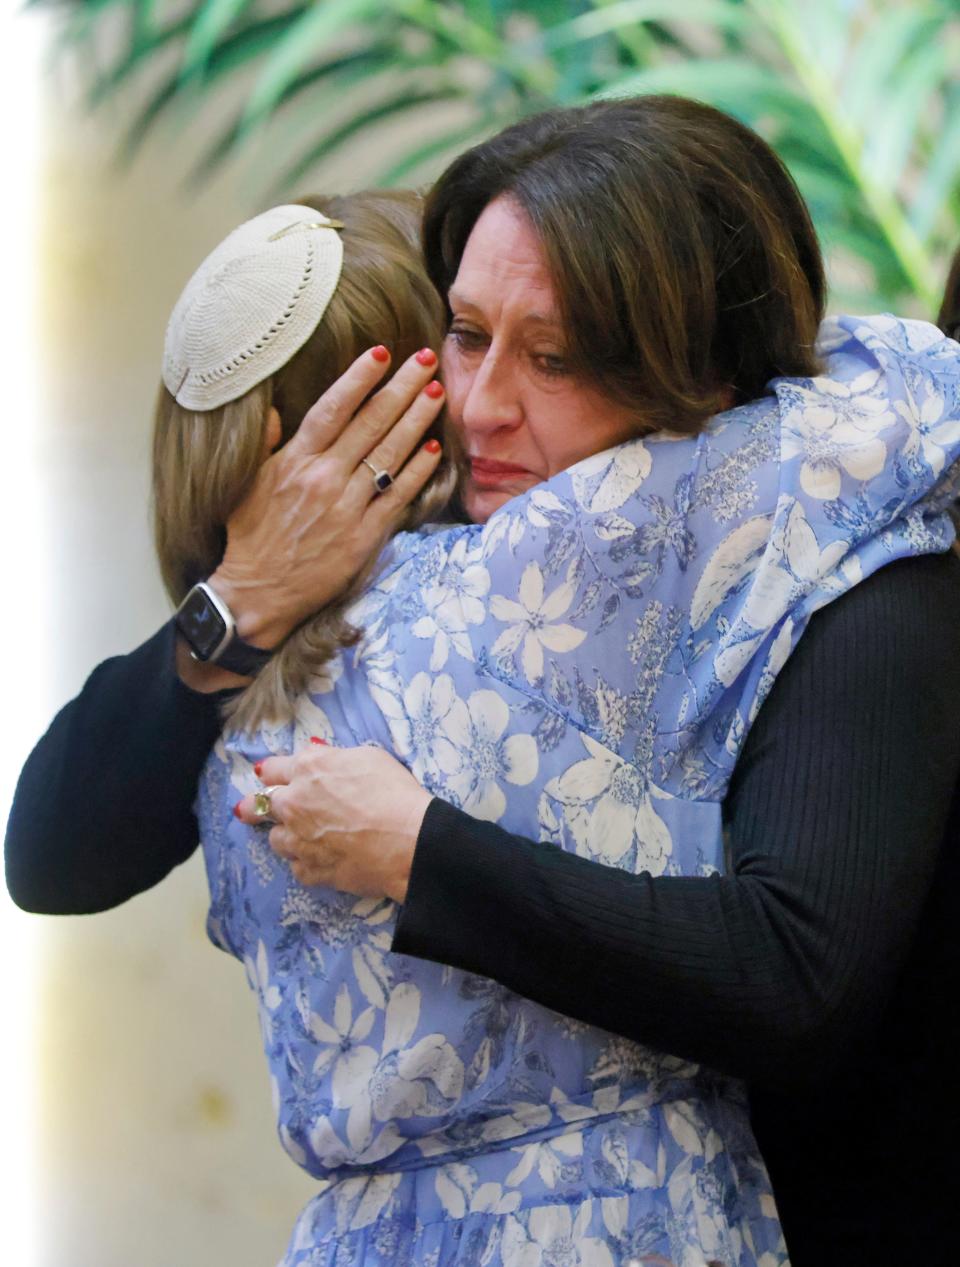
pixel 243 658
pixel 207 624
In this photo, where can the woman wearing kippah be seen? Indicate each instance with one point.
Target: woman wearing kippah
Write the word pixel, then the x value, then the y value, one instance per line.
pixel 634 610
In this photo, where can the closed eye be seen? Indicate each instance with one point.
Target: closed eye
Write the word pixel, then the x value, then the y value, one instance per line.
pixel 550 364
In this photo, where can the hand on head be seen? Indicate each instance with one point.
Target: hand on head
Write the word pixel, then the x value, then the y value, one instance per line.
pixel 314 516
pixel 347 818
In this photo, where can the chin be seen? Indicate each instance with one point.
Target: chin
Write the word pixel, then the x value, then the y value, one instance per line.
pixel 480 503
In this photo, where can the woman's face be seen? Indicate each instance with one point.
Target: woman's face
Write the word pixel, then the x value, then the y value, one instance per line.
pixel 522 415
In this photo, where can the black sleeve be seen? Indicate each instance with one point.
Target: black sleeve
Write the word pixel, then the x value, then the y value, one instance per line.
pixel 103 808
pixel 835 816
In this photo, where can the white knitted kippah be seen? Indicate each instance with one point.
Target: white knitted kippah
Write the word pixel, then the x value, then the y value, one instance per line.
pixel 252 303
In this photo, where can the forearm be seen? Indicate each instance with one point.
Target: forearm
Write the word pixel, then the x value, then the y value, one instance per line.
pixel 103 808
pixel 835 818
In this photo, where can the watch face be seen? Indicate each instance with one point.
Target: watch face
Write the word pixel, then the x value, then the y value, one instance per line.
pixel 201 624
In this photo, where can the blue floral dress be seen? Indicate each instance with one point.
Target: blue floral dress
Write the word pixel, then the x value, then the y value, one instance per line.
pixel 584 669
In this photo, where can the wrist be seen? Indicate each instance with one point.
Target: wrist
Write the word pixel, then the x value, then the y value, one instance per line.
pixel 202 676
pixel 257 611
pixel 410 825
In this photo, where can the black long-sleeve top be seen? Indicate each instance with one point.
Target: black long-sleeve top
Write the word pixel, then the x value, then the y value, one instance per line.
pixel 824 967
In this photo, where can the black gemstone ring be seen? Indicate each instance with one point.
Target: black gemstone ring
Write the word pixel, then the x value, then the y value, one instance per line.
pixel 381 479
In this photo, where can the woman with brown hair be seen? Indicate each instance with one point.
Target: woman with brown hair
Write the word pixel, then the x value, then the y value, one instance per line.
pixel 517 387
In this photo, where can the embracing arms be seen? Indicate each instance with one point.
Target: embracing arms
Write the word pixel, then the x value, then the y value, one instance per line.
pixel 836 816
pixel 104 806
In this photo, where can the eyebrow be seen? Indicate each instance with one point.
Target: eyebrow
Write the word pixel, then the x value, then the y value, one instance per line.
pixel 541 319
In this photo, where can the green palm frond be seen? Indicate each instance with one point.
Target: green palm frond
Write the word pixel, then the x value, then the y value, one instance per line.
pixel 860 97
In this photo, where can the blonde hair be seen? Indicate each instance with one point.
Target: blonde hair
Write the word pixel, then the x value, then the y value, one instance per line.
pixel 205 463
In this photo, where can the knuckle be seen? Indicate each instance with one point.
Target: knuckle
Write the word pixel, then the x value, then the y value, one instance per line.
pixel 323 479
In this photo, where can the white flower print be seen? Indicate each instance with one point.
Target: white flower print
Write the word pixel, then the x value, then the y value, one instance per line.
pixel 792 563
pixel 268 994
pixel 931 428
pixel 835 429
pixel 622 471
pixel 361 1199
pixel 699 1228
pixel 544 508
pixel 552 1237
pixel 457 1187
pixel 420 734
pixel 454 600
pixel 343 1052
pixel 552 1158
pixel 397 1082
pixel 902 336
pixel 622 811
pixel 476 729
pixel 533 622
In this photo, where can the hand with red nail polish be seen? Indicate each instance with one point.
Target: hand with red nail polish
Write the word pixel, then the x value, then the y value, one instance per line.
pixel 315 515
pixel 345 817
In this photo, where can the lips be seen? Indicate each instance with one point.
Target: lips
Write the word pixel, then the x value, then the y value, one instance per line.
pixel 487 471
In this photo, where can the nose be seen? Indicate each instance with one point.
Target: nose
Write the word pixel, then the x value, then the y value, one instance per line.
pixel 492 401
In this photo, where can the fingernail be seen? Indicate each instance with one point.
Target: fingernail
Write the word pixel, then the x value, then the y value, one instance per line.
pixel 432 446
pixel 434 390
pixel 314 739
pixel 380 353
pixel 426 356
pixel 258 768
pixel 236 809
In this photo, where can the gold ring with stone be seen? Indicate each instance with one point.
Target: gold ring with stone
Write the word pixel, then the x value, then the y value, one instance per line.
pixel 262 804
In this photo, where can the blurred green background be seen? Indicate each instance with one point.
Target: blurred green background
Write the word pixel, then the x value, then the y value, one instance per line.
pixel 860 97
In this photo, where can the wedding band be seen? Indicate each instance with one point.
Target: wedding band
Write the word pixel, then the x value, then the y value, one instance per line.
pixel 262 804
pixel 381 479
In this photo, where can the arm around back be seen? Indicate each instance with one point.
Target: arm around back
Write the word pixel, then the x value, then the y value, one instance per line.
pixel 836 816
pixel 104 806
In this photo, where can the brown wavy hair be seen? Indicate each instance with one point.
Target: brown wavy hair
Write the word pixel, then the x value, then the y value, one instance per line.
pixel 685 262
pixel 204 463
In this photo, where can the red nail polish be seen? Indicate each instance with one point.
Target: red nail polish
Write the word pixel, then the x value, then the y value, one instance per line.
pixel 236 809
pixel 434 390
pixel 314 739
pixel 257 769
pixel 380 353
pixel 432 446
pixel 426 356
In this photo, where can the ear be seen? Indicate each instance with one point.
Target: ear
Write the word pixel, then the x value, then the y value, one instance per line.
pixel 272 433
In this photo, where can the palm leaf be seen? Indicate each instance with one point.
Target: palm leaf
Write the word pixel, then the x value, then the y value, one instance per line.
pixel 441 147
pixel 293 51
pixel 858 96
pixel 398 104
pixel 327 84
pixel 234 52
pixel 633 13
pixel 940 179
pixel 210 26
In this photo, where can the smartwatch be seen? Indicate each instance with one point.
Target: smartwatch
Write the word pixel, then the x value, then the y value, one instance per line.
pixel 207 624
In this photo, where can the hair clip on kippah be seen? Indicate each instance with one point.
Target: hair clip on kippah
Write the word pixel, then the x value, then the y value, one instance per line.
pixel 274 284
pixel 305 224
